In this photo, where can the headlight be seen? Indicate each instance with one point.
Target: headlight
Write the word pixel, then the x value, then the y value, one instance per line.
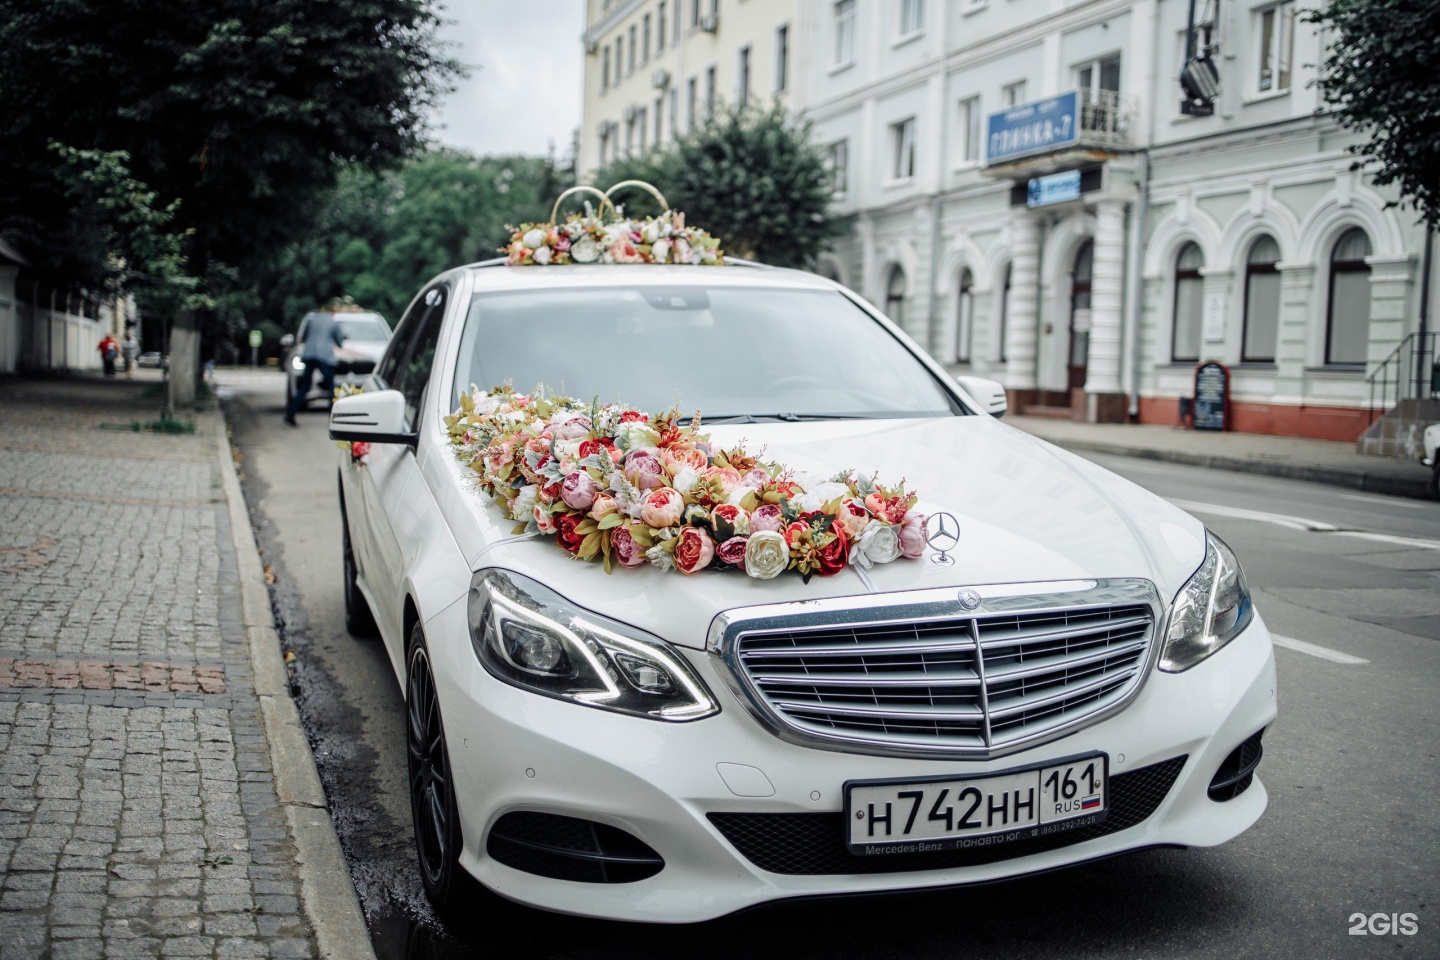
pixel 528 635
pixel 297 364
pixel 1210 611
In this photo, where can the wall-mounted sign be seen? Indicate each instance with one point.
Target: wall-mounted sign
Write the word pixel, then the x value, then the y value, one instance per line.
pixel 1056 188
pixel 1212 396
pixel 1214 326
pixel 1030 128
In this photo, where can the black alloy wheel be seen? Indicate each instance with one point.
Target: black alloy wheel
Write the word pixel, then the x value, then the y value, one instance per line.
pixel 432 788
pixel 359 620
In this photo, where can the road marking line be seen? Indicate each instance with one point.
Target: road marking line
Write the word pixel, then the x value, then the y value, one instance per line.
pixel 1315 650
pixel 1279 519
pixel 1387 538
pixel 1394 502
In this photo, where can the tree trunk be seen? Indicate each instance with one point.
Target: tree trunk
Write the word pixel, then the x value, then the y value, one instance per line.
pixel 184 361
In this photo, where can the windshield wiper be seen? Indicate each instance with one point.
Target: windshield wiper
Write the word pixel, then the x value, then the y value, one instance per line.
pixel 784 417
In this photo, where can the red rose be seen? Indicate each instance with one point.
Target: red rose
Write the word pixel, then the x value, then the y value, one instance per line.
pixel 359 450
pixel 834 555
pixel 633 416
pixel 732 551
pixel 565 534
pixel 693 550
pixel 796 531
pixel 604 444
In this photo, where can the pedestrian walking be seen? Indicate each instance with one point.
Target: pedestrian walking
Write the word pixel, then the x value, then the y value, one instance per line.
pixel 129 351
pixel 322 336
pixel 109 351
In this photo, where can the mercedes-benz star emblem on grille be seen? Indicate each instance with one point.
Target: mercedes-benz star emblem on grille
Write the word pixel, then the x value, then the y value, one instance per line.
pixel 942 532
pixel 969 599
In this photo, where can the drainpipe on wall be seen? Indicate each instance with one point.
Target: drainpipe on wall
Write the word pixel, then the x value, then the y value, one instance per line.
pixel 1133 282
pixel 1420 377
pixel 933 323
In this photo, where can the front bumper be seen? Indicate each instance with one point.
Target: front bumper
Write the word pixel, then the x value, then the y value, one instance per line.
pixel 511 751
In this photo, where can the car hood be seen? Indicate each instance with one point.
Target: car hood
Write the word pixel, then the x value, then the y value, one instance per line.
pixel 1028 512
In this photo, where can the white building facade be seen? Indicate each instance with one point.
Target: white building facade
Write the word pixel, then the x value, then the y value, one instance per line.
pixel 1030 202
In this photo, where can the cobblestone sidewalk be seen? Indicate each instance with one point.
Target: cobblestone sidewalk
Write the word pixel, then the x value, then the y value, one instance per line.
pixel 138 808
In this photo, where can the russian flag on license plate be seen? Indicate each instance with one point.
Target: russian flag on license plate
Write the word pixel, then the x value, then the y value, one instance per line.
pixel 1090 803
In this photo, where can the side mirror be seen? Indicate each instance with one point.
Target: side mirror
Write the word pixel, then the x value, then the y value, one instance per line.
pixel 377 417
pixel 287 341
pixel 989 394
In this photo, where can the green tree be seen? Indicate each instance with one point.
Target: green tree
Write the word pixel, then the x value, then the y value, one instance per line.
pixel 751 176
pixel 241 110
pixel 1379 78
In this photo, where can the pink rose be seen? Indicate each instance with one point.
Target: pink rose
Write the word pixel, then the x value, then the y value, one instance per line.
pixel 852 518
pixel 562 245
pixel 662 507
pixel 889 509
pixel 544 521
pixel 767 517
pixel 729 521
pixel 729 477
pixel 644 470
pixel 693 550
pixel 732 551
pixel 626 550
pixel 623 251
pixel 912 535
pixel 578 491
pixel 570 426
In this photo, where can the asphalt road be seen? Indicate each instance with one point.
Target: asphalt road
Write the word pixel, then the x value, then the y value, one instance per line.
pixel 1351 765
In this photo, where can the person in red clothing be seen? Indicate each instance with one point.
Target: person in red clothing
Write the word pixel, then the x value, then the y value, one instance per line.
pixel 109 350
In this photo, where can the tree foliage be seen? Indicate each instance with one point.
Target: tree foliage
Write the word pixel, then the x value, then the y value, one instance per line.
pixel 1379 78
pixel 379 237
pixel 749 175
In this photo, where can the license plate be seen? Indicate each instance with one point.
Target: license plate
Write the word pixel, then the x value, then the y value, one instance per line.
pixel 946 813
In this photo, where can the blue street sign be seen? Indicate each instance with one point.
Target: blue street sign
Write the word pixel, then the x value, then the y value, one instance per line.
pixel 1056 188
pixel 1038 127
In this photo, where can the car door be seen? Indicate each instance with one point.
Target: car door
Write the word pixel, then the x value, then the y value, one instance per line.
pixel 392 468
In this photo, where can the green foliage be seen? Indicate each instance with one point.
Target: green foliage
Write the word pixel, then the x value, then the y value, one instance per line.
pixel 379 238
pixel 1379 78
pixel 750 176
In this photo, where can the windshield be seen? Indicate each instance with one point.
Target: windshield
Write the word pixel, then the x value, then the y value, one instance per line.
pixel 365 326
pixel 733 352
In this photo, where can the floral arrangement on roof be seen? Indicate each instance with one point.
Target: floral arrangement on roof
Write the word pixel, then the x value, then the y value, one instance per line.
pixel 618 485
pixel 591 237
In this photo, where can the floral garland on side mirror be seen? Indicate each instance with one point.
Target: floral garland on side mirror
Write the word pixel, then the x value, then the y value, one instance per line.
pixel 622 486
pixel 359 449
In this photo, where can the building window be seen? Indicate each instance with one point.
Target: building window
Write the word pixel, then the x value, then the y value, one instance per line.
pixel 1189 305
pixel 674 113
pixel 1013 94
pixel 902 147
pixel 742 75
pixel 694 13
pixel 676 38
pixel 659 124
pixel 660 27
pixel 605 70
pixel 1347 325
pixel 709 92
pixel 969 131
pixel 630 133
pixel 1275 38
pixel 692 102
pixel 1262 302
pixel 844 32
pixel 1098 75
pixel 630 62
pixel 895 296
pixel 619 58
pixel 912 17
pixel 839 167
pixel 604 144
pixel 642 125
pixel 964 316
pixel 645 49
pixel 782 57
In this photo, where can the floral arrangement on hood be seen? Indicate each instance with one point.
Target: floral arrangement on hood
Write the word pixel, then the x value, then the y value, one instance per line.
pixel 359 449
pixel 591 238
pixel 617 485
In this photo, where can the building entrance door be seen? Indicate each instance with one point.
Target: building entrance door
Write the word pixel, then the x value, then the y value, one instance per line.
pixel 1080 315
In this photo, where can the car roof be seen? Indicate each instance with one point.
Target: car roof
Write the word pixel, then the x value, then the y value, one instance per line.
pixel 493 275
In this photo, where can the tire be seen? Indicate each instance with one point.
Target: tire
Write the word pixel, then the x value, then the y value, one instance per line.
pixel 359 621
pixel 434 813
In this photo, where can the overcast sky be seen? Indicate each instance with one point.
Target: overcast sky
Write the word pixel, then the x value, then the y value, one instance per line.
pixel 524 86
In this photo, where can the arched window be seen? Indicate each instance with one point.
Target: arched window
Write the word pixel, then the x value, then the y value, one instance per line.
pixel 964 316
pixel 1347 325
pixel 895 296
pixel 1262 301
pixel 1189 305
pixel 1004 317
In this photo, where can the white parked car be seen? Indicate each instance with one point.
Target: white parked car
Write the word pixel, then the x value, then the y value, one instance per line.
pixel 366 336
pixel 1082 674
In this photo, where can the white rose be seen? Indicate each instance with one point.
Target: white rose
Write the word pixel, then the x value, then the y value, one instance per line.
pixel 660 557
pixel 830 490
pixel 807 503
pixel 685 480
pixel 542 256
pixel 660 250
pixel 738 494
pixel 568 448
pixel 524 503
pixel 651 233
pixel 766 555
pixel 534 239
pixel 877 543
pixel 484 404
pixel 636 435
pixel 584 250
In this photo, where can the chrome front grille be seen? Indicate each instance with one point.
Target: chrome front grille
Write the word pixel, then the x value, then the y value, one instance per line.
pixel 923 675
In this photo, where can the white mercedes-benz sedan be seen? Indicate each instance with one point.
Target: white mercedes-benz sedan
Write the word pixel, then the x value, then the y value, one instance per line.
pixel 1067 668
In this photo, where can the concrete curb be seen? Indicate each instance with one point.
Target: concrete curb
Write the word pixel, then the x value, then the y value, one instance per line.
pixel 326 892
pixel 1378 482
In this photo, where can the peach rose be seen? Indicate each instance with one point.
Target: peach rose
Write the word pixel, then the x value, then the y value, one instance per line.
pixel 694 550
pixel 852 518
pixel 662 507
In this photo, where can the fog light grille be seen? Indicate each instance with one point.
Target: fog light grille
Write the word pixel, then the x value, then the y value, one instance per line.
pixel 1238 770
pixel 568 848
